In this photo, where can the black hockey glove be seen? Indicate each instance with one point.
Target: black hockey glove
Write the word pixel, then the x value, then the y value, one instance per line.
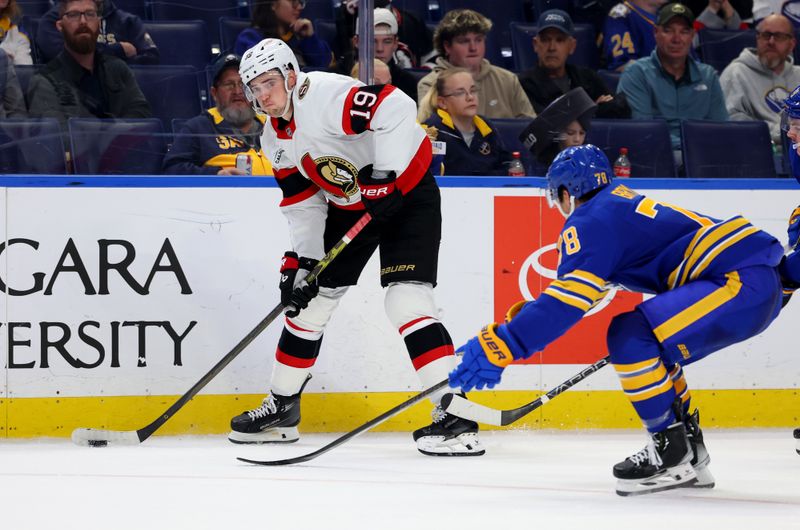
pixel 379 194
pixel 295 292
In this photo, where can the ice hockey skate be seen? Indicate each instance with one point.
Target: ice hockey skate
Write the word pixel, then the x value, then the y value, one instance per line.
pixel 664 464
pixel 275 421
pixel 448 435
pixel 700 456
pixel 797 440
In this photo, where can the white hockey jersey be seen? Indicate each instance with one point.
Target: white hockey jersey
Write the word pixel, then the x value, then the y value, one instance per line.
pixel 338 127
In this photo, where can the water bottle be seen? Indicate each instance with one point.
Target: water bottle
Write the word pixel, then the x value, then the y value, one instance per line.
pixel 622 166
pixel 515 167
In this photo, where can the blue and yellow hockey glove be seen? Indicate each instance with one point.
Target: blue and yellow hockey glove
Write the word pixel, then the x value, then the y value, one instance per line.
pixel 484 359
pixel 794 228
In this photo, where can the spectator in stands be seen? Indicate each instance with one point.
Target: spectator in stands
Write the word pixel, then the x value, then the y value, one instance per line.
pixel 669 83
pixel 13 100
pixel 13 41
pixel 380 72
pixel 628 32
pixel 460 39
pixel 121 34
pixel 280 19
pixel 756 83
pixel 208 144
pixel 563 123
pixel 80 82
pixel 473 147
pixel 389 50
pixel 718 14
pixel 553 76
pixel 411 29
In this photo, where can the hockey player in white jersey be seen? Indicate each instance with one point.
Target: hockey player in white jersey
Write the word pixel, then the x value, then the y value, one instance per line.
pixel 337 147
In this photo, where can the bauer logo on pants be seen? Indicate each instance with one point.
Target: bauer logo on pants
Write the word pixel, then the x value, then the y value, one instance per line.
pixel 525 262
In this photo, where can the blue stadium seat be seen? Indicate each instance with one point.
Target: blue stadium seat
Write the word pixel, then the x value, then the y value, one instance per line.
pixel 206 10
pixel 173 91
pixel 177 125
pixel 610 78
pixel 718 47
pixel 116 147
pixel 648 143
pixel 708 152
pixel 34 8
pixel 135 7
pixel 229 29
pixel 315 9
pixel 586 52
pixel 31 146
pixel 509 130
pixel 181 42
pixel 326 29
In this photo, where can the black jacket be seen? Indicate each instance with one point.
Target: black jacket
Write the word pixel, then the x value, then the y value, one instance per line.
pixel 58 90
pixel 116 26
pixel 542 90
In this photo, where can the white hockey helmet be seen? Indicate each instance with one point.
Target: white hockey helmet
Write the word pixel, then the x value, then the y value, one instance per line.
pixel 269 54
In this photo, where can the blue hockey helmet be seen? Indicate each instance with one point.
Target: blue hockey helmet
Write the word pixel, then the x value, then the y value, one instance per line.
pixel 579 169
pixel 791 109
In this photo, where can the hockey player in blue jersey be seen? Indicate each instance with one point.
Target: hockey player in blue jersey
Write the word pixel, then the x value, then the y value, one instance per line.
pixel 790 124
pixel 716 283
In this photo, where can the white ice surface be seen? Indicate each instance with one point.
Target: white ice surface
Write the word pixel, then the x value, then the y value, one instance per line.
pixel 527 480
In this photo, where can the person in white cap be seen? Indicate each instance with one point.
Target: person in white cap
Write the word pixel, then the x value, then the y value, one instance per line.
pixel 388 49
pixel 339 147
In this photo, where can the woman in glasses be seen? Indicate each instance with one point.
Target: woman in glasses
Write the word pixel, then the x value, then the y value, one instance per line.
pixel 472 145
pixel 280 19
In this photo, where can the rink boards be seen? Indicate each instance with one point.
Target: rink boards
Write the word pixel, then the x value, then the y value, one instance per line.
pixel 122 292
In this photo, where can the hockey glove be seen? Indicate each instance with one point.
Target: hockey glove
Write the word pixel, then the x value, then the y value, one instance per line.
pixel 295 292
pixel 794 228
pixel 379 194
pixel 484 359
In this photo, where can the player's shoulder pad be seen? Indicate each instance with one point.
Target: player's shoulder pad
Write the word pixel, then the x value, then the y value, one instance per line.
pixel 619 11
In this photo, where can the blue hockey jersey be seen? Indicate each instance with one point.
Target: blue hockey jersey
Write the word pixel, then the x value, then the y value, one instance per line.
pixel 627 34
pixel 620 237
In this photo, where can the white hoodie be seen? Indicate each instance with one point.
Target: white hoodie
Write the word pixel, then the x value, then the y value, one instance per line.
pixel 754 92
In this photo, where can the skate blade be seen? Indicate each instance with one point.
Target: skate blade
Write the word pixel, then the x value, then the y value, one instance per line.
pixel 680 476
pixel 704 477
pixel 466 444
pixel 277 435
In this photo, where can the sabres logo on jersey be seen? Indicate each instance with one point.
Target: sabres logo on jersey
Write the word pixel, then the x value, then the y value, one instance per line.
pixel 339 173
pixel 619 11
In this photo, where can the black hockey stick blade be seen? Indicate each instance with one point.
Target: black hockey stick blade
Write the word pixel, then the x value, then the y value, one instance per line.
pixel 463 408
pixel 101 438
pixel 352 434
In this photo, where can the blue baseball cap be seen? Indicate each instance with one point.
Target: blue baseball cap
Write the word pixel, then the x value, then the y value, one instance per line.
pixel 556 18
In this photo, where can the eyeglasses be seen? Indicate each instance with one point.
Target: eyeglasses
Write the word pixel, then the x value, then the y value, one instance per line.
pixel 779 37
pixel 229 85
pixel 74 16
pixel 462 93
pixel 299 3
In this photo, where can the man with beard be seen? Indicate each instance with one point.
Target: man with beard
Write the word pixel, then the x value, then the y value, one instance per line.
pixel 756 83
pixel 80 82
pixel 208 144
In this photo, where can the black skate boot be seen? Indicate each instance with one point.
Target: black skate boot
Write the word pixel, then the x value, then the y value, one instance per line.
pixel 448 435
pixel 275 421
pixel 797 440
pixel 700 457
pixel 664 464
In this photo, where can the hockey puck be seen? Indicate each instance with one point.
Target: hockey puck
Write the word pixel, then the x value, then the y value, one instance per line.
pixel 98 443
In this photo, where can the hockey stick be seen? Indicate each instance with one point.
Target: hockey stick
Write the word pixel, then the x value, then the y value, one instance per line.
pixel 458 406
pixel 99 437
pixel 352 434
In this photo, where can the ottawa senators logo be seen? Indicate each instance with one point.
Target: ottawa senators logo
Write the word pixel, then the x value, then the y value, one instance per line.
pixel 303 90
pixel 338 172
